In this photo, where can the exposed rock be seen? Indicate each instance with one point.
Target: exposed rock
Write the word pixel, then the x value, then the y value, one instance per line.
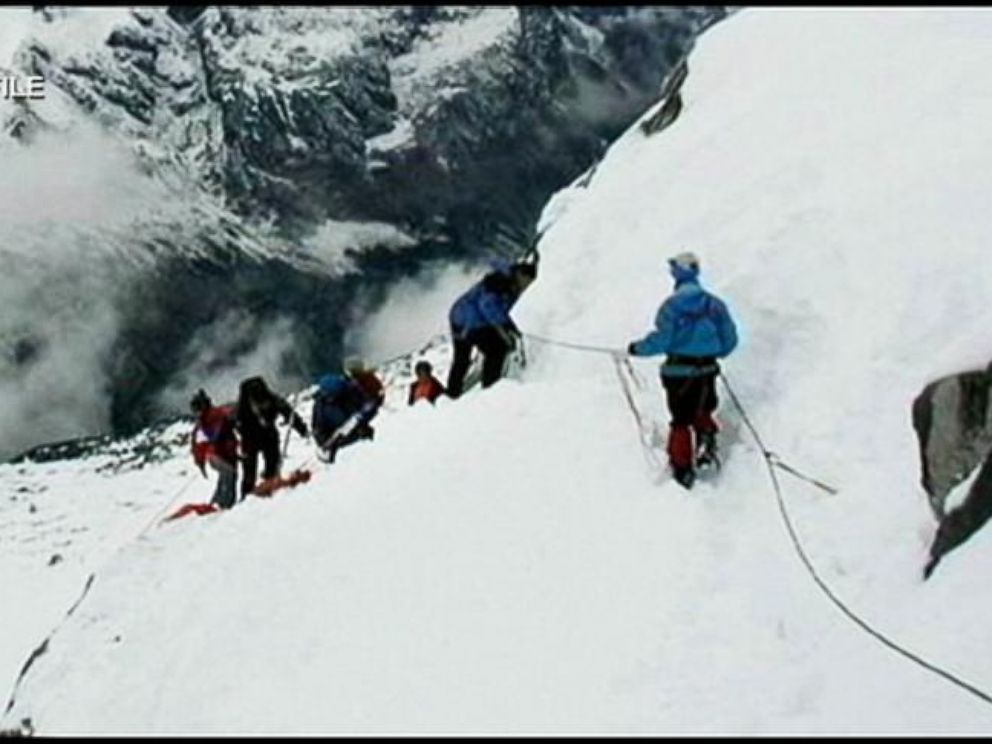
pixel 953 422
pixel 966 519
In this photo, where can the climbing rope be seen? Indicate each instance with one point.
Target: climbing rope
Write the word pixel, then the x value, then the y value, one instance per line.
pixel 620 362
pixel 771 462
pixel 568 345
pixel 647 446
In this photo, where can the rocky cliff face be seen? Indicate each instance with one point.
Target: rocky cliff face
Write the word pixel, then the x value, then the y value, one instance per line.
pixel 462 118
pixel 319 154
pixel 953 421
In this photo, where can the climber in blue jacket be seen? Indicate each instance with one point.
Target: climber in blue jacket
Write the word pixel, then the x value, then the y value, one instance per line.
pixel 693 328
pixel 480 318
pixel 341 400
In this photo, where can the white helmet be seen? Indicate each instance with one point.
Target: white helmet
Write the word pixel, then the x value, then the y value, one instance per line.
pixel 354 364
pixel 685 260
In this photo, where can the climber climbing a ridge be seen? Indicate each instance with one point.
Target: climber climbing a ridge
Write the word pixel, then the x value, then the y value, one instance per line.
pixel 480 319
pixel 214 442
pixel 694 328
pixel 255 419
pixel 352 397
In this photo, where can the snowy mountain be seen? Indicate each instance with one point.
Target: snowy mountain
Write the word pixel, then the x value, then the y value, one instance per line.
pixel 257 175
pixel 509 563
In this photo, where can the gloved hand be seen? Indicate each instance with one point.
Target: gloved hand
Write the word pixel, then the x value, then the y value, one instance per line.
pixel 632 348
pixel 301 428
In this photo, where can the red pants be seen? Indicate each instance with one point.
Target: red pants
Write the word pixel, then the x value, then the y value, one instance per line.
pixel 691 402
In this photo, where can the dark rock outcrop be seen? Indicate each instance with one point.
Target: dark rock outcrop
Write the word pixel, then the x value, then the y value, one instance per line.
pixel 953 422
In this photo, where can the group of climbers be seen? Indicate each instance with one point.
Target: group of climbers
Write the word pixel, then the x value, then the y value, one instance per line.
pixel 226 436
pixel 693 328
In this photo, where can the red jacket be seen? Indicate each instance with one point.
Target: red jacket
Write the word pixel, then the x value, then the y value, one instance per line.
pixel 371 386
pixel 431 389
pixel 213 435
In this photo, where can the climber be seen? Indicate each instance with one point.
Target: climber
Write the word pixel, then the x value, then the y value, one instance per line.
pixel 480 318
pixel 213 441
pixel 354 397
pixel 426 386
pixel 255 418
pixel 694 329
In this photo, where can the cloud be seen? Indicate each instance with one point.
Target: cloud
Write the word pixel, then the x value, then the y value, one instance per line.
pixel 70 205
pixel 414 310
pixel 237 346
pixel 336 244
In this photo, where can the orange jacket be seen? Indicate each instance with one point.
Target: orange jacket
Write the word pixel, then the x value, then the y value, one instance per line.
pixel 431 389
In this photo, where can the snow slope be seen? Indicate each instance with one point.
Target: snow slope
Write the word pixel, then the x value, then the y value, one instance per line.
pixel 508 564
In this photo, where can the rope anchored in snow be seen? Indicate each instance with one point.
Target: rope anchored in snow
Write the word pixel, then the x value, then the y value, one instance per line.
pixel 772 462
pixel 568 345
pixel 771 458
pixel 647 435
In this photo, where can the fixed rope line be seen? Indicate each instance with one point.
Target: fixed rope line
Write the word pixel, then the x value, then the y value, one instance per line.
pixel 777 462
pixel 770 457
pixel 568 345
pixel 618 359
pixel 638 380
pixel 189 482
pixel 646 446
pixel 774 458
pixel 811 569
pixel 772 462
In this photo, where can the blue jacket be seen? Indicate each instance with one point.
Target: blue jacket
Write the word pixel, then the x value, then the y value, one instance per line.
pixel 690 323
pixel 487 303
pixel 338 398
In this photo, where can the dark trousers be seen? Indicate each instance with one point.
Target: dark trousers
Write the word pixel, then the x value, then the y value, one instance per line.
pixel 493 347
pixel 691 402
pixel 266 443
pixel 227 480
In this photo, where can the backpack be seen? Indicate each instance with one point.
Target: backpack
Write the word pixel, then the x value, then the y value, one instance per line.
pixel 333 402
